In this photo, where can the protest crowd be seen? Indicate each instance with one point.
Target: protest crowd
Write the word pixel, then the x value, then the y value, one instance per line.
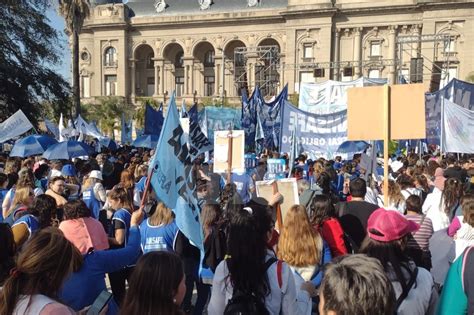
pixel 208 242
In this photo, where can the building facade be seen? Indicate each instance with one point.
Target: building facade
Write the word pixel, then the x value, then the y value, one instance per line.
pixel 208 50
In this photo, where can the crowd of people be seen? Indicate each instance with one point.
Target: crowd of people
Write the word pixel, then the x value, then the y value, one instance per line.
pixel 73 229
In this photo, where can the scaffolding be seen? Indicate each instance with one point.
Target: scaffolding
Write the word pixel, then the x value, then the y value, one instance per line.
pixel 259 65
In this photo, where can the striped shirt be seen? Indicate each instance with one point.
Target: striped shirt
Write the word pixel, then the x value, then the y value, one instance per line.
pixel 421 238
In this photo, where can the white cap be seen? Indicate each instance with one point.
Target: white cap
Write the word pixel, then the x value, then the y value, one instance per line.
pixel 55 173
pixel 96 174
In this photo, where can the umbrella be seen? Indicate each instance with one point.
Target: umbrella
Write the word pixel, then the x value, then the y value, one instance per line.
pixel 108 143
pixel 67 150
pixel 352 146
pixel 146 141
pixel 32 145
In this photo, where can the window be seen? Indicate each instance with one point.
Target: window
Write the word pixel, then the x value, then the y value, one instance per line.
pixel 307 51
pixel 149 61
pixel 179 82
pixel 450 45
pixel 239 60
pixel 375 48
pixel 209 58
pixel 110 57
pixel 209 85
pixel 374 74
pixel 85 87
pixel 179 61
pixel 110 85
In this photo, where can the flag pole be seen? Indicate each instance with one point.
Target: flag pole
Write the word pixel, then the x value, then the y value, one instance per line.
pixel 229 155
pixel 386 139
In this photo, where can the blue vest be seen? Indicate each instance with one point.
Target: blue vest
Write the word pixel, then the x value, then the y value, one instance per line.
pixel 31 222
pixel 92 202
pixel 123 216
pixel 158 238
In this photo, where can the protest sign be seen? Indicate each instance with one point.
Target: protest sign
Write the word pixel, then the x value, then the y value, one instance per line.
pixel 226 151
pixel 213 118
pixel 318 135
pixel 16 125
pixel 287 187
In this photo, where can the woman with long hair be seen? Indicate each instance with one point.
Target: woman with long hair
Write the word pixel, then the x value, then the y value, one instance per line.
pixel 252 270
pixel 127 181
pixel 302 247
pixel 442 207
pixel 322 217
pixel 42 267
pixel 119 201
pixel 23 200
pixel 156 286
pixel 396 200
pixel 214 240
pixel 387 237
pixel 7 251
pixel 421 182
pixel 159 231
pixel 407 186
pixel 25 179
pixel 39 216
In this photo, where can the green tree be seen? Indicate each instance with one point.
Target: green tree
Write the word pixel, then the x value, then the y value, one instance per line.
pixel 29 49
pixel 74 13
pixel 107 113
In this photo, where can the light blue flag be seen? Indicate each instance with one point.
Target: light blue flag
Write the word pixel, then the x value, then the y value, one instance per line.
pixel 52 127
pixel 171 178
pixel 259 135
pixel 126 134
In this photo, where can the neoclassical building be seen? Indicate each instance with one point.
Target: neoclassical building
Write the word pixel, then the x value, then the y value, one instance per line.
pixel 207 50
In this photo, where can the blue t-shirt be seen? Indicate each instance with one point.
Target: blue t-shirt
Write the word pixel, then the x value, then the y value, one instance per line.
pixel 140 186
pixel 244 184
pixel 124 216
pixel 31 222
pixel 158 238
pixel 92 202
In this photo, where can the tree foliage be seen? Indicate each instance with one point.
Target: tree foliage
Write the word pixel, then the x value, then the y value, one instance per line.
pixel 29 48
pixel 107 113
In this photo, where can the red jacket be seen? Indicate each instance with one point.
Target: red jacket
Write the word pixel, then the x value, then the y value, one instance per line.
pixel 333 234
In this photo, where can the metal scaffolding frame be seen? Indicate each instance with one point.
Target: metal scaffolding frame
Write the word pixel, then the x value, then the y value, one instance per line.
pixel 263 68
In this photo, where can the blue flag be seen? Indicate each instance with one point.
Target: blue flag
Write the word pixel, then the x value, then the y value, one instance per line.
pixel 193 113
pixel 126 136
pixel 172 176
pixel 184 113
pixel 153 120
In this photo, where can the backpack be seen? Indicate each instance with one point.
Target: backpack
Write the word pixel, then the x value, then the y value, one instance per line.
pixel 244 303
pixel 350 244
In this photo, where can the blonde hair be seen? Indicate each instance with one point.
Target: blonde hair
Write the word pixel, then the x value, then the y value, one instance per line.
pixel 88 183
pixel 162 215
pixel 395 195
pixel 22 195
pixel 299 244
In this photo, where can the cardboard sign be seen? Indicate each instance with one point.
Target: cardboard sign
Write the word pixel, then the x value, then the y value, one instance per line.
pixel 287 187
pixel 365 113
pixel 221 151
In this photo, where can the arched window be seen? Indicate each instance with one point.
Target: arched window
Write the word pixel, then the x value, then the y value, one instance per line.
pixel 179 61
pixel 149 61
pixel 110 58
pixel 209 58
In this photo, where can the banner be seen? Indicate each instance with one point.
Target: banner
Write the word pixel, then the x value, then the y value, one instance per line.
pixel 16 125
pixel 198 142
pixel 85 128
pixel 458 128
pixel 457 91
pixel 172 176
pixel 153 120
pixel 269 114
pixel 319 135
pixel 330 96
pixel 213 118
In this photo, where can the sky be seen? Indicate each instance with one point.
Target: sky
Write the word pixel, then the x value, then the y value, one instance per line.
pixel 57 22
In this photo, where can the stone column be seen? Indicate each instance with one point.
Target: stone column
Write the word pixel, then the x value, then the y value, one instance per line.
pixel 156 63
pixel 391 53
pixel 191 78
pixel 357 52
pixel 132 80
pixel 337 55
pixel 217 74
pixel 416 46
pixel 162 77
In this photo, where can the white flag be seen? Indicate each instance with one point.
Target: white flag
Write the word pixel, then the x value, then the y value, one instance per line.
pixel 458 128
pixel 61 129
pixel 17 124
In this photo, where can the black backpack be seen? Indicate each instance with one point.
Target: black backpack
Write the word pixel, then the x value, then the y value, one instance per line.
pixel 245 303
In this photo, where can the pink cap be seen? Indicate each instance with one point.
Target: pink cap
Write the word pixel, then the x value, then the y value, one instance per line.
pixel 388 225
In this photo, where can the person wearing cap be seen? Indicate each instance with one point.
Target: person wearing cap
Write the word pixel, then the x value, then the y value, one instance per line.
pixel 93 193
pixel 71 182
pixel 388 233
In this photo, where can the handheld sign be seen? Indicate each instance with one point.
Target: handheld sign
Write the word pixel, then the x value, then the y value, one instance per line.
pixel 229 155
